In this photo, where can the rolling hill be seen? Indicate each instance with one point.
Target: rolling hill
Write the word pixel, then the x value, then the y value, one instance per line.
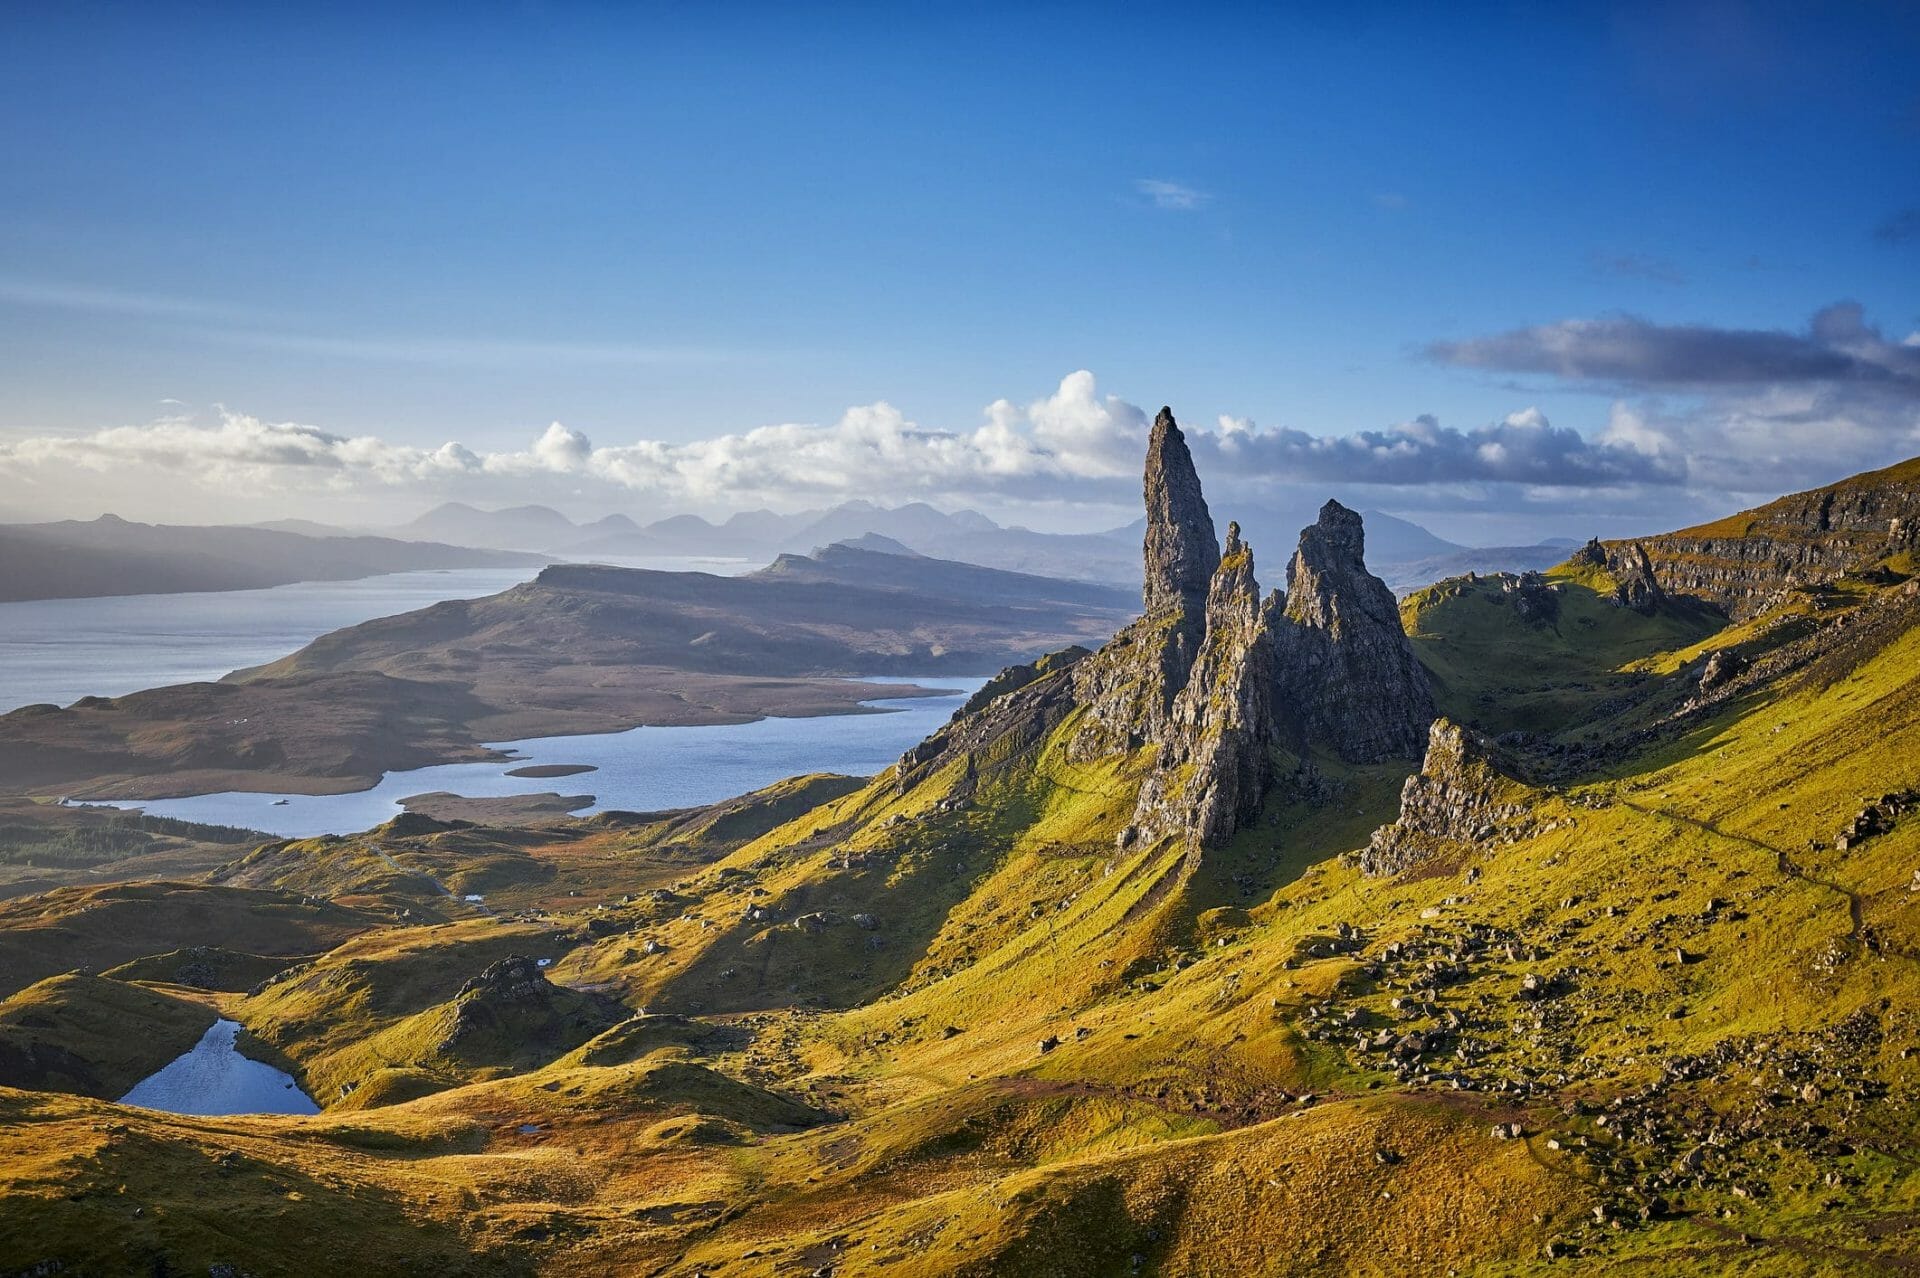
pixel 581 648
pixel 1532 924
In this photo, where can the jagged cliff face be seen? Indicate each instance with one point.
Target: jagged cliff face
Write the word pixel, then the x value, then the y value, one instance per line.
pixel 1130 685
pixel 1742 564
pixel 1181 549
pixel 1459 800
pixel 1216 757
pixel 1214 677
pixel 1345 667
pixel 1636 585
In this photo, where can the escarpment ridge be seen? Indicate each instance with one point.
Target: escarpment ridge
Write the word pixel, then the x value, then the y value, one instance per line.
pixel 1742 564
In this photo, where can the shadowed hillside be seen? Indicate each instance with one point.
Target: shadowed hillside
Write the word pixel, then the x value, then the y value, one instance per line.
pixel 110 556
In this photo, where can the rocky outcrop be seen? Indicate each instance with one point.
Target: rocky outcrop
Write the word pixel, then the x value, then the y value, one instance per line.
pixel 1636 585
pixel 1214 677
pixel 1460 798
pixel 1130 685
pixel 510 1011
pixel 1216 759
pixel 1014 678
pixel 1744 563
pixel 1028 705
pixel 1346 673
pixel 1722 664
pixel 1535 600
pixel 517 979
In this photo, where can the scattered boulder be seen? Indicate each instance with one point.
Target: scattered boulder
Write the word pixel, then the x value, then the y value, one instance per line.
pixel 1534 600
pixel 1722 665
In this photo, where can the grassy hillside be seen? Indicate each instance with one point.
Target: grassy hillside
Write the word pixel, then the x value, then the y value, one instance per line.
pixel 1654 1014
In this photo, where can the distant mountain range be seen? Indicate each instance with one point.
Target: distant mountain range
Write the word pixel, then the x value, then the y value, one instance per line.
pixel 111 556
pixel 1403 553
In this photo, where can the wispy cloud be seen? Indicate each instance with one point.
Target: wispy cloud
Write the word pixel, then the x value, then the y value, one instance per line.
pixel 1392 201
pixel 1752 411
pixel 98 299
pixel 481 351
pixel 1838 346
pixel 232 324
pixel 1178 196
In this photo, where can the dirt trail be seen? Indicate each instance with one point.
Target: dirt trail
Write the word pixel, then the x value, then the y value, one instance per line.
pixel 1781 860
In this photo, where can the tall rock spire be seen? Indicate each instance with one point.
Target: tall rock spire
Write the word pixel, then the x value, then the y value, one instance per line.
pixel 1216 763
pixel 1214 678
pixel 1345 666
pixel 1181 548
pixel 1130 685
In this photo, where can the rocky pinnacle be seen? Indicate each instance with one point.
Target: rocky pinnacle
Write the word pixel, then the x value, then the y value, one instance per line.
pixel 1215 764
pixel 1181 548
pixel 1345 665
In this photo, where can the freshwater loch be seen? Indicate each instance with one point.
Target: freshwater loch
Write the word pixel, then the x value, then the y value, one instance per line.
pixel 214 1078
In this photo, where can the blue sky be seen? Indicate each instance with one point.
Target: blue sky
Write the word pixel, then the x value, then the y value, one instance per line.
pixel 668 225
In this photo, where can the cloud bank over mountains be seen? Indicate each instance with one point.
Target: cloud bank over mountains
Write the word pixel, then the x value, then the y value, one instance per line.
pixel 1693 410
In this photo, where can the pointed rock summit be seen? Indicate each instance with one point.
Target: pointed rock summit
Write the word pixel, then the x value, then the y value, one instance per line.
pixel 1130 686
pixel 1346 668
pixel 1181 548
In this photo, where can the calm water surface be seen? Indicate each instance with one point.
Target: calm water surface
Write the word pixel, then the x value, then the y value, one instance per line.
pixel 214 1078
pixel 641 770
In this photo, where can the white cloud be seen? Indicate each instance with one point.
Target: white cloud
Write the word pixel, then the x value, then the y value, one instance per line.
pixel 1178 196
pixel 1073 445
pixel 1073 448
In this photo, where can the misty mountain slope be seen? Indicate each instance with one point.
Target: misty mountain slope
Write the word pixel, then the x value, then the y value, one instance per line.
pixel 879 566
pixel 1406 555
pixel 110 556
pixel 516 528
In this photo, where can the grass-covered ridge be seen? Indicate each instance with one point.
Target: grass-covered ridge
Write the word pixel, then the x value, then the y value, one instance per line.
pixel 943 1021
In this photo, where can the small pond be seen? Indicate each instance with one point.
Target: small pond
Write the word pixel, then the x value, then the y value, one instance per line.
pixel 214 1078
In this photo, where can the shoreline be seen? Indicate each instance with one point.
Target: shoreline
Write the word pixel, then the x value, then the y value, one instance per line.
pixel 114 793
pixel 810 699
